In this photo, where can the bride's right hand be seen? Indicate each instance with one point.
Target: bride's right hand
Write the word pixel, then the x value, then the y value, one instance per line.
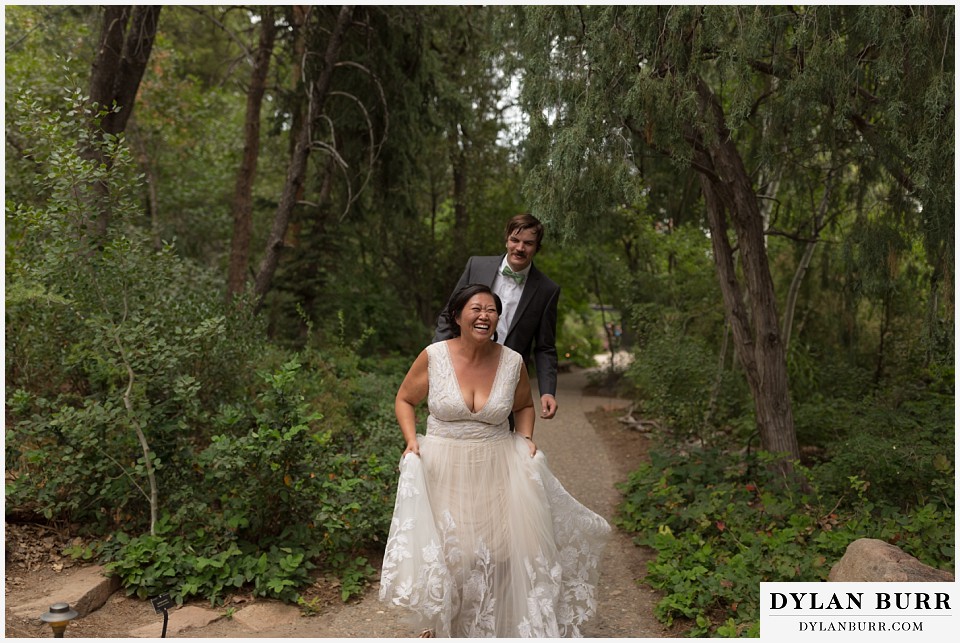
pixel 412 447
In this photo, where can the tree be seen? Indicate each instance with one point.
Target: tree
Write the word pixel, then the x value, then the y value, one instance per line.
pixel 317 93
pixel 126 38
pixel 243 191
pixel 447 154
pixel 420 166
pixel 723 91
pixel 188 130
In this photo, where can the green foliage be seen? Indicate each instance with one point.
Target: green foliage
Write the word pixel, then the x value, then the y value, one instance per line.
pixel 44 45
pixel 904 450
pixel 268 500
pixel 578 339
pixel 880 467
pixel 256 476
pixel 681 370
pixel 268 465
pixel 389 238
pixel 105 336
pixel 843 168
pixel 678 380
pixel 721 524
pixel 185 567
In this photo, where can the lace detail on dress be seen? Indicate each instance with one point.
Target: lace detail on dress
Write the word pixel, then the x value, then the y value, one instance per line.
pixel 477 615
pixel 485 541
pixel 449 415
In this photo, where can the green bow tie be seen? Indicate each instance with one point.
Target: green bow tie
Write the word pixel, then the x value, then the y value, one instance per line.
pixel 516 276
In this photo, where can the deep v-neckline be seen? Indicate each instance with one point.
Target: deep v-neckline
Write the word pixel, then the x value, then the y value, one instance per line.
pixel 456 380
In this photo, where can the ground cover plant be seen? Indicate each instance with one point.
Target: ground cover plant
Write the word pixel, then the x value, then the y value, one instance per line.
pixel 722 521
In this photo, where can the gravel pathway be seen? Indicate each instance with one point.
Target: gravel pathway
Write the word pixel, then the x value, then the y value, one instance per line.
pixel 589 468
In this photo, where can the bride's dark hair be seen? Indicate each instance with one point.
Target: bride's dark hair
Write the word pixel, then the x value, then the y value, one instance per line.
pixel 459 301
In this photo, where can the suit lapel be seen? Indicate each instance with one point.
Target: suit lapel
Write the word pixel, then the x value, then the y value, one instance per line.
pixel 487 271
pixel 529 291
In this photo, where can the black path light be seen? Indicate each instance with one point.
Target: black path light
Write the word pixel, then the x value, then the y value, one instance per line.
pixel 58 618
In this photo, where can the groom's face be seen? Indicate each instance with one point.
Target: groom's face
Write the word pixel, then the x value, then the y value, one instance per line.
pixel 521 247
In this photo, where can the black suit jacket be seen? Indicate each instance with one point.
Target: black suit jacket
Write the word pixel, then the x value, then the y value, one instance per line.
pixel 534 324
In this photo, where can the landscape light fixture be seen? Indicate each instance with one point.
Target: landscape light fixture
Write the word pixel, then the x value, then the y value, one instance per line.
pixel 58 618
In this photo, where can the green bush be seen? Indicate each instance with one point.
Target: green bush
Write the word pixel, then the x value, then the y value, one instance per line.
pixel 577 339
pixel 903 449
pixel 149 565
pixel 145 410
pixel 722 524
pixel 268 503
pixel 676 378
pixel 116 349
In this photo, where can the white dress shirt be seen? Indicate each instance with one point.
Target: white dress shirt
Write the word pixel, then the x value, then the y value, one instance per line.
pixel 509 292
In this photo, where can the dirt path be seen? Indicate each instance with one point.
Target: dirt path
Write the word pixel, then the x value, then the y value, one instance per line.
pixel 590 458
pixel 588 451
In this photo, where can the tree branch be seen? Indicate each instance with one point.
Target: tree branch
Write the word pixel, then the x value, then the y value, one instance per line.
pixel 128 403
pixel 772 232
pixel 868 132
pixel 318 94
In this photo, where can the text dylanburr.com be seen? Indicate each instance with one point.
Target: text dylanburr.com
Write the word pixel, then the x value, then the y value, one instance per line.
pixel 858 611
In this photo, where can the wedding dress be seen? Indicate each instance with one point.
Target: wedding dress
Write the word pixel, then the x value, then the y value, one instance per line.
pixel 484 540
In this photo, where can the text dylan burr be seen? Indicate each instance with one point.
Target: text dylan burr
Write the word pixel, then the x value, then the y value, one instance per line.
pixel 855 601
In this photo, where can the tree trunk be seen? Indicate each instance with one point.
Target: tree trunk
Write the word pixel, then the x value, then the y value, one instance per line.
pixel 128 69
pixel 461 222
pixel 299 15
pixel 885 316
pixel 811 246
pixel 243 191
pixel 117 69
pixel 727 191
pixel 791 305
pixel 718 380
pixel 319 233
pixel 138 146
pixel 607 327
pixel 296 173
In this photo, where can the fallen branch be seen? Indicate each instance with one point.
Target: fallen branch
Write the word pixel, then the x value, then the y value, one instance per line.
pixel 638 424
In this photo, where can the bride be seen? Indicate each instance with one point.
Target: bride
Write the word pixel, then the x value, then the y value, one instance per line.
pixel 484 540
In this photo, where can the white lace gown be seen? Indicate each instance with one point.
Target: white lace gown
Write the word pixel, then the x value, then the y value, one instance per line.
pixel 484 541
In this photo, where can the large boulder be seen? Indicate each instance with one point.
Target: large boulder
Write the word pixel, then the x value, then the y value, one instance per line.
pixel 870 560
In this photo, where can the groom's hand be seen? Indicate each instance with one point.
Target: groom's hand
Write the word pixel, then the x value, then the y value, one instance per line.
pixel 548 406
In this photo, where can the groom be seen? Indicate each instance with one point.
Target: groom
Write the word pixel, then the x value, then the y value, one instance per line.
pixel 529 297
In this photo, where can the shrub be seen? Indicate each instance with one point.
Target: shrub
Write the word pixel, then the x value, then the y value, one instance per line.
pixel 117 351
pixel 272 497
pixel 143 408
pixel 677 379
pixel 721 525
pixel 903 450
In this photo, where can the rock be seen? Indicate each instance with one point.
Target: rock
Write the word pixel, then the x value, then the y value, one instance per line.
pixel 871 560
pixel 266 616
pixel 85 590
pixel 179 620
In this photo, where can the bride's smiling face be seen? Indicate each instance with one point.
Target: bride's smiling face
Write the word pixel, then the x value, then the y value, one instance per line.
pixel 479 317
